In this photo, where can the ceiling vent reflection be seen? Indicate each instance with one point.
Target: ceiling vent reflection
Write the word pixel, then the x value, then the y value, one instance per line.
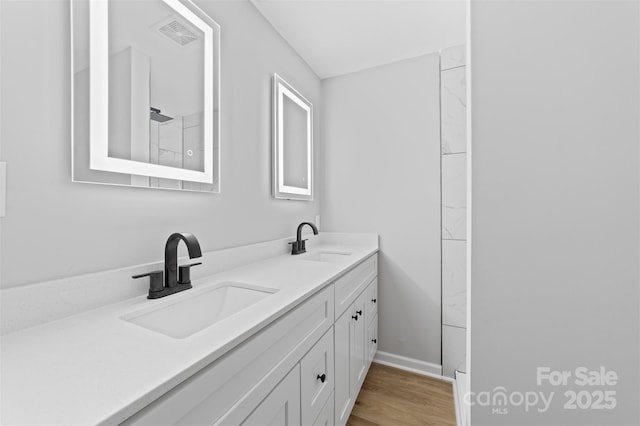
pixel 177 32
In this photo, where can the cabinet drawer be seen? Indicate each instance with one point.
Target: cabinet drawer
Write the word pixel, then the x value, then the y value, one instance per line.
pixel 371 303
pixel 316 382
pixel 325 418
pixel 228 389
pixel 349 286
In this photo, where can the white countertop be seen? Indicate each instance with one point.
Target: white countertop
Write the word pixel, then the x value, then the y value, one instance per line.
pixel 95 368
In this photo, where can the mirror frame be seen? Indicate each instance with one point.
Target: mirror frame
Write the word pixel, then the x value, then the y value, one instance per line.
pixel 99 98
pixel 281 191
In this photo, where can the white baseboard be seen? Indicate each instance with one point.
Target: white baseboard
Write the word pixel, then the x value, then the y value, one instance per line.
pixel 410 364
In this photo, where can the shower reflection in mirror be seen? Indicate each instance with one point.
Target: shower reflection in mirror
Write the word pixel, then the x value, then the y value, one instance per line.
pixel 145 94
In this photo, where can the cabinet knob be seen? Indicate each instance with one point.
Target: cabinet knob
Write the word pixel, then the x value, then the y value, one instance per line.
pixel 322 378
pixel 374 300
pixel 359 312
pixel 374 340
pixel 355 317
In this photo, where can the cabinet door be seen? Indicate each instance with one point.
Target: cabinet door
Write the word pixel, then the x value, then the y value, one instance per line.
pixel 372 339
pixel 359 356
pixel 316 378
pixel 281 406
pixel 344 328
pixel 325 418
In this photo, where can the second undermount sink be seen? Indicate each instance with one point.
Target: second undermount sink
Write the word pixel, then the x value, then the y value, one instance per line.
pixel 202 309
pixel 325 256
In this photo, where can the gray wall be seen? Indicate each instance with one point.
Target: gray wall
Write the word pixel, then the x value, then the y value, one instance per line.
pixel 55 228
pixel 555 206
pixel 382 174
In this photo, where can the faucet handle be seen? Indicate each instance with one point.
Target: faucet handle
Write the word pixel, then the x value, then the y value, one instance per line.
pixel 155 280
pixel 298 247
pixel 184 273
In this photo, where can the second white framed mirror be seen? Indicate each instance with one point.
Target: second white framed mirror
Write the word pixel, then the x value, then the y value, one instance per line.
pixel 292 143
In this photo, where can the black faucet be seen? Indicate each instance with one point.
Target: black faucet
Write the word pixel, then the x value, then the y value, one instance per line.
pixel 176 278
pixel 297 246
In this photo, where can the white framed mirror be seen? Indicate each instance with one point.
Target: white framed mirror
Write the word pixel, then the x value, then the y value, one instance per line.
pixel 292 144
pixel 146 84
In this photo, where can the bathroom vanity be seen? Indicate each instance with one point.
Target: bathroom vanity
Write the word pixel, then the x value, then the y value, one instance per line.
pixel 290 342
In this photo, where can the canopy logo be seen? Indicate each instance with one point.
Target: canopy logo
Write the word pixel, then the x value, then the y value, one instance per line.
pixel 584 389
pixel 499 399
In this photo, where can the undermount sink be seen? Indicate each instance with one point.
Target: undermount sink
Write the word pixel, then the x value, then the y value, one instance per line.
pixel 325 256
pixel 200 310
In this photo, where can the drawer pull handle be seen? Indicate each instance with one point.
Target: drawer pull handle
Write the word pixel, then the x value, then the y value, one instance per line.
pixel 359 312
pixel 355 317
pixel 374 300
pixel 374 340
pixel 322 378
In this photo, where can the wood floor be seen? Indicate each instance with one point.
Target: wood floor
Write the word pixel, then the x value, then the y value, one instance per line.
pixel 391 397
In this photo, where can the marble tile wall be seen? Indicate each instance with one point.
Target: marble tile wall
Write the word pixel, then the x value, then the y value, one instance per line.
pixel 454 283
pixel 454 208
pixel 453 110
pixel 454 197
pixel 454 350
pixel 452 57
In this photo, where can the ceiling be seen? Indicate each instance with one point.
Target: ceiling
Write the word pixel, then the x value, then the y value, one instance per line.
pixel 337 37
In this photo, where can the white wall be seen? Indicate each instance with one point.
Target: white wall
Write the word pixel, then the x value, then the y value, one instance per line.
pixel 382 174
pixel 555 221
pixel 55 228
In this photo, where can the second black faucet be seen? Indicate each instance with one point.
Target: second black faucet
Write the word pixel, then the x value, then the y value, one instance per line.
pixel 298 246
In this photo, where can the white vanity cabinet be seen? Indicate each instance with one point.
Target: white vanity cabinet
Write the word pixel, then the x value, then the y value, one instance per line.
pixel 306 367
pixel 227 391
pixel 353 352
